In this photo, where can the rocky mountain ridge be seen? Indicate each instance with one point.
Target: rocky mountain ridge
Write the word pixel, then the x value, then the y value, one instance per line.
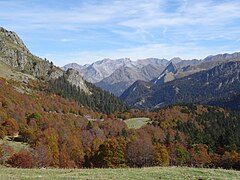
pixel 205 86
pixel 117 75
pixel 14 53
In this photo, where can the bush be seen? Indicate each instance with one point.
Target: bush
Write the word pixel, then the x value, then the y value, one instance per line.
pixel 22 159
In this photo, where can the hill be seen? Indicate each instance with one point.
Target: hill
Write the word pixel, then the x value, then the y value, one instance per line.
pixel 18 64
pixel 172 173
pixel 15 54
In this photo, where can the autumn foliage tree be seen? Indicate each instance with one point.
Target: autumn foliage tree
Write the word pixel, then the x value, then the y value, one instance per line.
pixel 6 151
pixel 64 158
pixel 111 154
pixel 21 159
pixel 199 156
pixel 140 153
pixel 161 157
pixel 41 154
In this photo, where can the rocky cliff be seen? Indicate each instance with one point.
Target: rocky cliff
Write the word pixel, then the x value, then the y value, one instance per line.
pixel 14 53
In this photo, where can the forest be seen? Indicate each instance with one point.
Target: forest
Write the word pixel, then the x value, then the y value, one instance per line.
pixel 65 132
pixel 99 100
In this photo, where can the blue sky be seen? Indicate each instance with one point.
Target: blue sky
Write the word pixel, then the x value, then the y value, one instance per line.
pixel 84 31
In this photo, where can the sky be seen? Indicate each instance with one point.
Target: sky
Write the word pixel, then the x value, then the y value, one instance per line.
pixel 84 31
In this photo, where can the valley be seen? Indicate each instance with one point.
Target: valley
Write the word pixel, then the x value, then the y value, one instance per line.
pixel 63 121
pixel 120 89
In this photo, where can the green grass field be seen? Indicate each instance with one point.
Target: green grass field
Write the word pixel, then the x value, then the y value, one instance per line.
pixel 17 146
pixel 136 122
pixel 172 173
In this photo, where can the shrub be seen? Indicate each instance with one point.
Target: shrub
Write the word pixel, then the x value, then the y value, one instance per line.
pixel 21 159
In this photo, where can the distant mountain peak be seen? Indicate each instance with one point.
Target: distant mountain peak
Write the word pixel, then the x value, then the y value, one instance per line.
pixel 171 68
pixel 176 60
pixel 167 74
pixel 222 57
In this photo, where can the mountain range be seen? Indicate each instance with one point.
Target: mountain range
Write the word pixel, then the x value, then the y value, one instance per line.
pixel 152 83
pixel 205 86
pixel 117 75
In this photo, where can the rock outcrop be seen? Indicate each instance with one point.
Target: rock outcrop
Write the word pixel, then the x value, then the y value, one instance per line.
pixel 74 77
pixel 14 53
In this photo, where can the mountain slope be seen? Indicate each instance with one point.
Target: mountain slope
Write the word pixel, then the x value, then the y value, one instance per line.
pixel 14 53
pixel 167 75
pixel 125 76
pixel 220 81
pixel 19 65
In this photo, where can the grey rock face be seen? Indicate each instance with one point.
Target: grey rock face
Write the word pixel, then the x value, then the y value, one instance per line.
pixel 100 70
pixel 14 53
pixel 14 38
pixel 125 76
pixel 75 78
pixel 167 75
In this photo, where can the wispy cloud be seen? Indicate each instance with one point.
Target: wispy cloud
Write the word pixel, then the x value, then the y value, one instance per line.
pixel 133 28
pixel 66 40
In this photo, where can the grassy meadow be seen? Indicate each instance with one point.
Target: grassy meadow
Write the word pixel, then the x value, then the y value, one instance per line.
pixel 16 146
pixel 172 173
pixel 136 123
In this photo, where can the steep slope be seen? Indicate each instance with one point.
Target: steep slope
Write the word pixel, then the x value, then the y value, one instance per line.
pixel 231 102
pixel 167 75
pixel 223 57
pixel 215 60
pixel 204 86
pixel 136 90
pixel 186 63
pixel 14 53
pixel 158 63
pixel 61 134
pixel 125 76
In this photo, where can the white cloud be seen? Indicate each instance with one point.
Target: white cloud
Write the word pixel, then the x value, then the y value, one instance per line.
pixel 145 26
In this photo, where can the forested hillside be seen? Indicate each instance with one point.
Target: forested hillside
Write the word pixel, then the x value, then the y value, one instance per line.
pixel 97 99
pixel 60 133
